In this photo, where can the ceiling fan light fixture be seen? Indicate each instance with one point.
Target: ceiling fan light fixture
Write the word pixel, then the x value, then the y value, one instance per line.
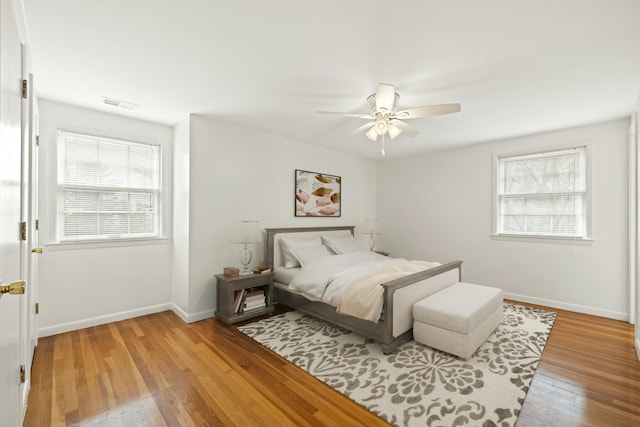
pixel 393 130
pixel 380 127
pixel 372 134
pixel 373 109
pixel 385 117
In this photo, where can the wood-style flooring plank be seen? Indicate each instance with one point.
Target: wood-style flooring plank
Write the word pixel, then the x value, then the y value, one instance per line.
pixel 589 375
pixel 158 371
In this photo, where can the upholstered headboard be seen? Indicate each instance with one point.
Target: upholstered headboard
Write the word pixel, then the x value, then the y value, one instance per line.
pixel 273 250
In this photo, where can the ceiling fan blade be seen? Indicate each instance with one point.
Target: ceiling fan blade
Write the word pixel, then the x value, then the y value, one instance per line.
pixel 428 111
pixel 406 128
pixel 385 98
pixel 359 116
pixel 365 126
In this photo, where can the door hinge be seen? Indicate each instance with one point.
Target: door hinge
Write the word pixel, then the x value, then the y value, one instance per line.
pixel 38 140
pixel 37 308
pixel 23 374
pixel 37 224
pixel 23 231
pixel 24 89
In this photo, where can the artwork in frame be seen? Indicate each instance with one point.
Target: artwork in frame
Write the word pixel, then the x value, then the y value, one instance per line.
pixel 317 194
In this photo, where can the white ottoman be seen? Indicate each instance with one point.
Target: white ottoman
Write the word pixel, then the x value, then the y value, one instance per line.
pixel 457 319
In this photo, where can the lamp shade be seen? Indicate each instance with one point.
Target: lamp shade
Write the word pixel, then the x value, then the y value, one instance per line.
pixel 371 226
pixel 246 232
pixel 380 127
pixel 393 130
pixel 371 134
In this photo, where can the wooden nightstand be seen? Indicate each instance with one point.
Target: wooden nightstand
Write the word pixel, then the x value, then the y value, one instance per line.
pixel 234 292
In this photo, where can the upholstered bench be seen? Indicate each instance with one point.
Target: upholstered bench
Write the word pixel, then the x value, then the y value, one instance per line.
pixel 457 319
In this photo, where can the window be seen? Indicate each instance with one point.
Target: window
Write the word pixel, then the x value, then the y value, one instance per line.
pixel 107 188
pixel 543 194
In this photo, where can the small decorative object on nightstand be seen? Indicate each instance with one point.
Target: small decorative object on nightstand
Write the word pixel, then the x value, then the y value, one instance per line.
pixel 244 297
pixel 385 253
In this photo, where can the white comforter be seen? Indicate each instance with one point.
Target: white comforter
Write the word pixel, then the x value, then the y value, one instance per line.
pixel 324 279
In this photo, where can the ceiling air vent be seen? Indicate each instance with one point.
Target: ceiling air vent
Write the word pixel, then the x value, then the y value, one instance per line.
pixel 120 103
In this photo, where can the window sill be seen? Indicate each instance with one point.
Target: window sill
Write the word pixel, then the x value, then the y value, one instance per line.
pixel 544 239
pixel 99 244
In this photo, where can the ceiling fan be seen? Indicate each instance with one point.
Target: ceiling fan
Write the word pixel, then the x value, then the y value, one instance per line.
pixel 385 118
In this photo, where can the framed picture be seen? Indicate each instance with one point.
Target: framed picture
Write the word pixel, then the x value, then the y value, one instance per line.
pixel 317 194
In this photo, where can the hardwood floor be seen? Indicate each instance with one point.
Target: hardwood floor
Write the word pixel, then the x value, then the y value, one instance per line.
pixel 589 375
pixel 157 370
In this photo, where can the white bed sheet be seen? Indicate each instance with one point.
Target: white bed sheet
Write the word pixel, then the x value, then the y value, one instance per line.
pixel 324 279
pixel 285 275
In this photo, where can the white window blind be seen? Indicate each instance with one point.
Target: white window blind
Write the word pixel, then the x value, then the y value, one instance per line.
pixel 543 194
pixel 107 188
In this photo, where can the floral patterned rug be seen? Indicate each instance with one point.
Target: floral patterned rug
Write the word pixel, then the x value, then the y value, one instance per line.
pixel 417 385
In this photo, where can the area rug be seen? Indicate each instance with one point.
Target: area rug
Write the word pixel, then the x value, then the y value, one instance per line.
pixel 417 385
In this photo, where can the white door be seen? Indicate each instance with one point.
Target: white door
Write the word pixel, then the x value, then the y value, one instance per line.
pixel 10 203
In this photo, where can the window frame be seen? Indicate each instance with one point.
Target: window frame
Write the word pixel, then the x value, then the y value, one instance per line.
pixel 497 234
pixel 120 240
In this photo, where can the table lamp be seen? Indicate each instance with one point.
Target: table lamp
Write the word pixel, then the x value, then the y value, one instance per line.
pixel 372 228
pixel 245 232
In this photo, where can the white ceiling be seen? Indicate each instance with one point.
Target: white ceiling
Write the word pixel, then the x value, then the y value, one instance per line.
pixel 517 67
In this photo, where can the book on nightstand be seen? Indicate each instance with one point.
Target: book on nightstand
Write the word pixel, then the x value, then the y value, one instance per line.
pixel 237 302
pixel 255 298
pixel 254 305
pixel 249 299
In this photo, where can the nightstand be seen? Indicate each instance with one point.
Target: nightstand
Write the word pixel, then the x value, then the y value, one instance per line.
pixel 239 298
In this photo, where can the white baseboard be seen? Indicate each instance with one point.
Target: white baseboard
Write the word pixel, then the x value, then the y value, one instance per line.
pixel 190 318
pixel 179 312
pixel 123 315
pixel 617 315
pixel 101 320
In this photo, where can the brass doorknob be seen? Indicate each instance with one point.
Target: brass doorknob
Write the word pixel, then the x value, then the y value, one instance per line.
pixel 13 288
pixel 36 250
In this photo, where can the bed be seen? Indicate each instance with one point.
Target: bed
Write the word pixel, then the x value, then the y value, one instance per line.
pixel 394 326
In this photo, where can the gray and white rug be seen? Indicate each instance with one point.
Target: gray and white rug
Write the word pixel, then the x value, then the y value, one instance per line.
pixel 417 385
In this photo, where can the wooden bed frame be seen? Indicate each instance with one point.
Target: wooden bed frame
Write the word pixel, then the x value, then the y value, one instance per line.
pixel 404 292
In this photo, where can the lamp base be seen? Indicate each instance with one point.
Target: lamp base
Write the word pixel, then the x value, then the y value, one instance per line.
pixel 245 260
pixel 372 242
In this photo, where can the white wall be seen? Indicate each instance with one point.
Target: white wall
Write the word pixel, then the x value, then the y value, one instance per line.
pixel 84 284
pixel 435 207
pixel 438 207
pixel 238 173
pixel 221 173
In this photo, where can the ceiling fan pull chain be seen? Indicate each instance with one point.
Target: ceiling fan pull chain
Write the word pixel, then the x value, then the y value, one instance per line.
pixel 382 151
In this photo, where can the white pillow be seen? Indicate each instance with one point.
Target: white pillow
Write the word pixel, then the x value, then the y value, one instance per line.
pixel 346 247
pixel 308 254
pixel 342 244
pixel 287 244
